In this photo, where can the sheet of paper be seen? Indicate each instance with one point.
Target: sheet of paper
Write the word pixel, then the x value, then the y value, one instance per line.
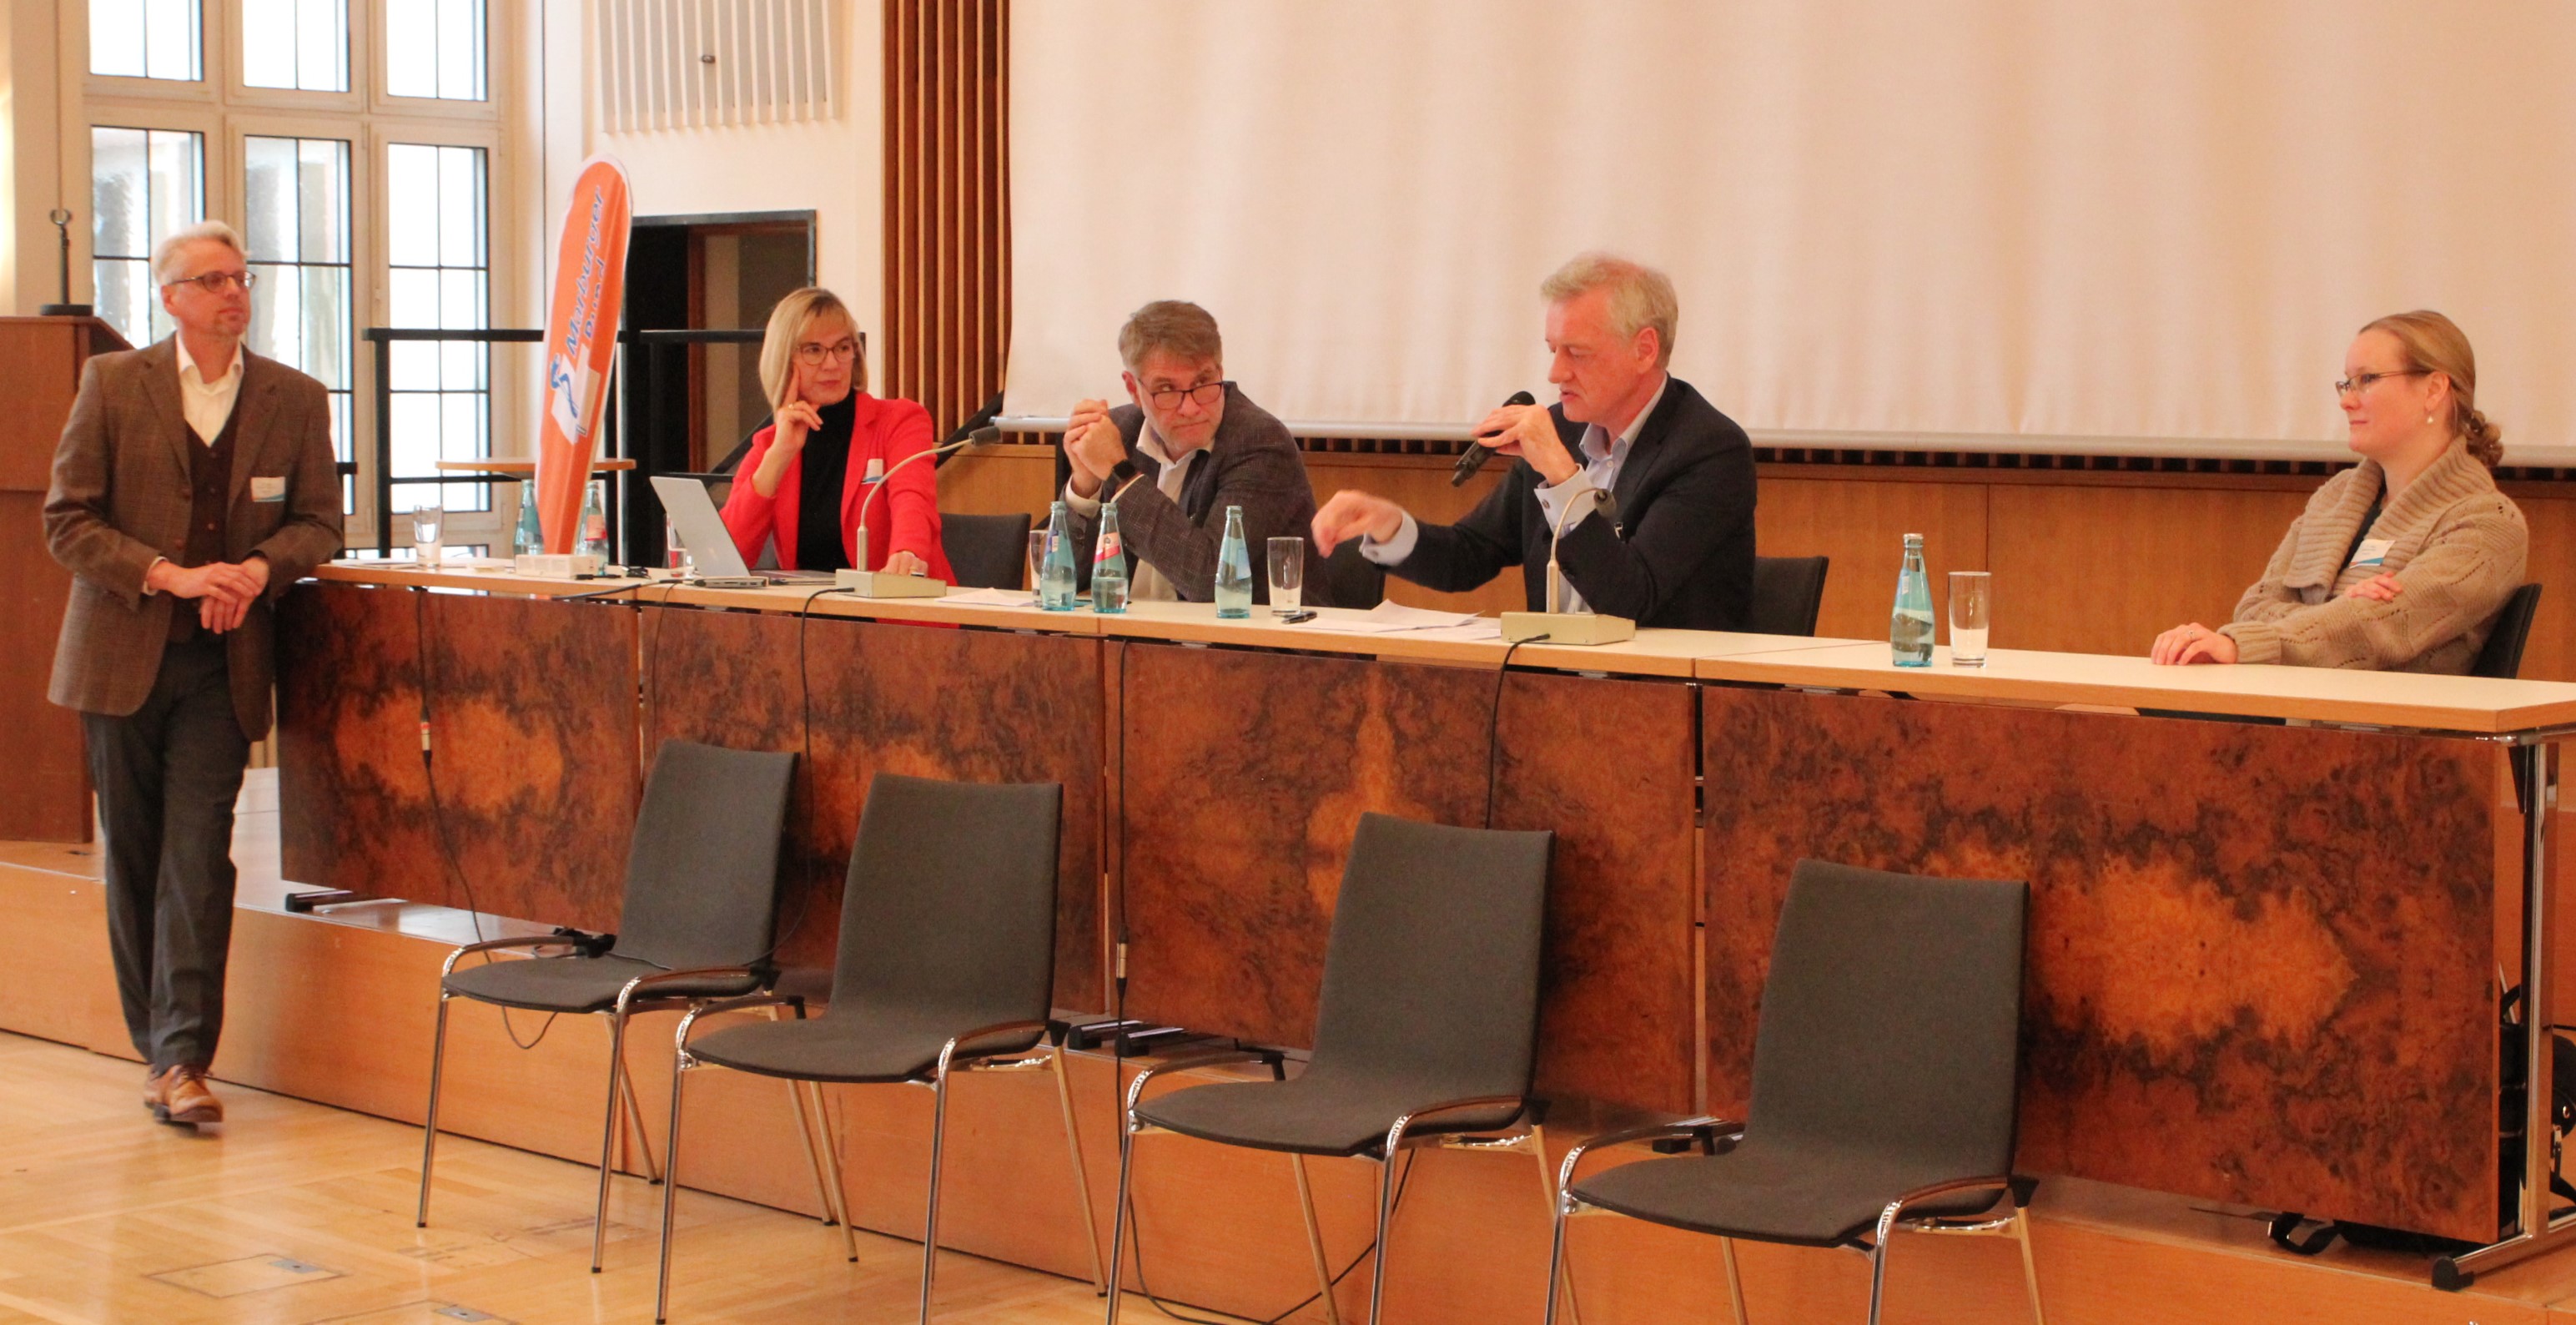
pixel 1384 619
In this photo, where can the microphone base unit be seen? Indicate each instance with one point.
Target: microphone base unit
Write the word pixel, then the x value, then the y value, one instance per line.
pixel 884 584
pixel 556 565
pixel 1567 628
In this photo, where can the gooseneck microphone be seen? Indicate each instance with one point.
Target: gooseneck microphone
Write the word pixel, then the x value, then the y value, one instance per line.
pixel 1474 460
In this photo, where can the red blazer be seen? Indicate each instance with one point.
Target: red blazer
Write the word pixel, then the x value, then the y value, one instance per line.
pixel 904 517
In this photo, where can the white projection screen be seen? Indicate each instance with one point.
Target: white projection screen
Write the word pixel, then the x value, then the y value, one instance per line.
pixel 2114 226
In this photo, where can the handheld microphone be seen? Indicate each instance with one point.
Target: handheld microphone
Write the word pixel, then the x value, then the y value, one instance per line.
pixel 1474 460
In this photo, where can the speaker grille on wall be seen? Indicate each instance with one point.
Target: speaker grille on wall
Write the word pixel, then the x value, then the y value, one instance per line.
pixel 696 64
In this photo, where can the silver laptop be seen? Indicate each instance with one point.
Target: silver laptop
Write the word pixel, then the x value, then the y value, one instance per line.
pixel 693 514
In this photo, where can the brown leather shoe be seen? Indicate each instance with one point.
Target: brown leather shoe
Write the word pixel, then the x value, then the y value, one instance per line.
pixel 185 1098
pixel 156 1091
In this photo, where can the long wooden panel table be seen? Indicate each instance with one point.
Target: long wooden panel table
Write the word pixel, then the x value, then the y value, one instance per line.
pixel 2262 955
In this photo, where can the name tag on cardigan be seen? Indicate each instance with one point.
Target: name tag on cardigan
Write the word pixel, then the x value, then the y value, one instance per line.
pixel 268 489
pixel 2372 552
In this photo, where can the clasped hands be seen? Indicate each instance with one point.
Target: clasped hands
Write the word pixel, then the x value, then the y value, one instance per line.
pixel 1092 446
pixel 224 590
pixel 2196 643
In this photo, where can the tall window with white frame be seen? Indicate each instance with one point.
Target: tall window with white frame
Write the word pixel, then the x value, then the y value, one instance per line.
pixel 439 274
pixel 354 144
pixel 295 198
pixel 144 184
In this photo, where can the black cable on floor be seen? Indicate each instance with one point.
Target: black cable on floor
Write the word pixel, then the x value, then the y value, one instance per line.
pixel 1494 727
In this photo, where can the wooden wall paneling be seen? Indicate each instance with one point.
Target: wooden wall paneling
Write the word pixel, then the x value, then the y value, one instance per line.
pixel 1860 520
pixel 985 706
pixel 533 710
pixel 2549 510
pixel 2256 953
pixel 1000 479
pixel 947 214
pixel 1241 806
pixel 49 798
pixel 58 982
pixel 2086 569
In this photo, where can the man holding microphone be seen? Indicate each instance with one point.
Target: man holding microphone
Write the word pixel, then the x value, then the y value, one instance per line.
pixel 1673 545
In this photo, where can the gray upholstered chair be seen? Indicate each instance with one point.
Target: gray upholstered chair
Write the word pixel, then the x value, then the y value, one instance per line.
pixel 1884 1074
pixel 1788 592
pixel 945 965
pixel 695 926
pixel 2501 656
pixel 1426 1035
pixel 986 551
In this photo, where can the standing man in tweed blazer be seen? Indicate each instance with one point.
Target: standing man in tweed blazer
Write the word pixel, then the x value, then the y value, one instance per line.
pixel 193 484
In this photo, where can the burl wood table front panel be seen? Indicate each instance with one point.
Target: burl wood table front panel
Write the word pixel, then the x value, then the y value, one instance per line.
pixel 974 705
pixel 532 704
pixel 1245 775
pixel 2261 959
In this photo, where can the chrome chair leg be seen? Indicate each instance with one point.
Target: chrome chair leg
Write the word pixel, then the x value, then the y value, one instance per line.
pixel 429 1125
pixel 1081 1173
pixel 930 1214
pixel 1878 1261
pixel 1735 1279
pixel 608 1135
pixel 635 1124
pixel 805 1133
pixel 1547 1191
pixel 1385 1230
pixel 1315 1241
pixel 2029 1266
pixel 671 1167
pixel 1118 1211
pixel 1556 1267
pixel 832 1171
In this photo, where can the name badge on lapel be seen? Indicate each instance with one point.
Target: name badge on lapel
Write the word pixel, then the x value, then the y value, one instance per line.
pixel 268 489
pixel 2373 552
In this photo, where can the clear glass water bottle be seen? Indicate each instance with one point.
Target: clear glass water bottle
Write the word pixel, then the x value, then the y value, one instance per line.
pixel 1055 582
pixel 1910 626
pixel 529 536
pixel 1233 569
pixel 594 520
pixel 1109 565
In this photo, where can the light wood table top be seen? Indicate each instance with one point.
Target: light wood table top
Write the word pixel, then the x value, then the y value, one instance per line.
pixel 2392 699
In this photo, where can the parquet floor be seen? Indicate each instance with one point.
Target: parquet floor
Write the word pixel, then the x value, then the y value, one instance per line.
pixel 296 1213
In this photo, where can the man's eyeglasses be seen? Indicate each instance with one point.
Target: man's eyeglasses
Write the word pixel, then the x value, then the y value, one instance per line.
pixel 213 282
pixel 2353 386
pixel 1205 394
pixel 812 355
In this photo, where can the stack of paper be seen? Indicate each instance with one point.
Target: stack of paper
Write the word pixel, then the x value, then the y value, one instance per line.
pixel 1384 619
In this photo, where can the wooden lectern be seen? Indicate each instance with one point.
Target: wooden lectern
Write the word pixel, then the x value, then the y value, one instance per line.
pixel 40 360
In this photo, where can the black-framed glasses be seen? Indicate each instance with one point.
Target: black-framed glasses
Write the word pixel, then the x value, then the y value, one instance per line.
pixel 812 355
pixel 2353 386
pixel 1205 394
pixel 213 282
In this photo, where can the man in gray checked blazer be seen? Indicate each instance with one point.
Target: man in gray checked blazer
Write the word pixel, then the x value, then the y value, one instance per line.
pixel 193 484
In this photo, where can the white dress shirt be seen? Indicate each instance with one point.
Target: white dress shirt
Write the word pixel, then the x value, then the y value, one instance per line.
pixel 207 405
pixel 1143 581
pixel 1603 455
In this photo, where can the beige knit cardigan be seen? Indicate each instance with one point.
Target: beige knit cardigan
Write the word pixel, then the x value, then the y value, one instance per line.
pixel 2457 545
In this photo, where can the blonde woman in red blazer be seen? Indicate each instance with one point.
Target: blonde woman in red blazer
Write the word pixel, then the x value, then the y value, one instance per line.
pixel 827 427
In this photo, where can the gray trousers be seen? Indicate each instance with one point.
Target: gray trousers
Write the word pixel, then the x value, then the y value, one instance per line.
pixel 167 778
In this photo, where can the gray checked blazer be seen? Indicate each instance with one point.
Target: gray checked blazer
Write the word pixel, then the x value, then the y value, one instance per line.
pixel 120 497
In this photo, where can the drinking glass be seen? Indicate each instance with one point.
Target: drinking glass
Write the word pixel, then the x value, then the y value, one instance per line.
pixel 428 521
pixel 1287 575
pixel 1037 558
pixel 1972 610
pixel 683 566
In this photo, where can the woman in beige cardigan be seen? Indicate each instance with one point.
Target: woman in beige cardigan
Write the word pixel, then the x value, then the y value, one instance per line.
pixel 2401 562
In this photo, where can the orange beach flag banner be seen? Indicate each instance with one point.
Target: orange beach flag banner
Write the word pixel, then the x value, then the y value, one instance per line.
pixel 581 343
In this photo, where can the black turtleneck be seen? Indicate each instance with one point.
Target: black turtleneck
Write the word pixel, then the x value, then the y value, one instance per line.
pixel 818 505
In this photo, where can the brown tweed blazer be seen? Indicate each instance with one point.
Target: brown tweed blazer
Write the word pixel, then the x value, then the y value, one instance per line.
pixel 120 498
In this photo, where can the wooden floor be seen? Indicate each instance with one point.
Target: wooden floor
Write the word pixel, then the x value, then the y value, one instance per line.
pixel 294 1212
